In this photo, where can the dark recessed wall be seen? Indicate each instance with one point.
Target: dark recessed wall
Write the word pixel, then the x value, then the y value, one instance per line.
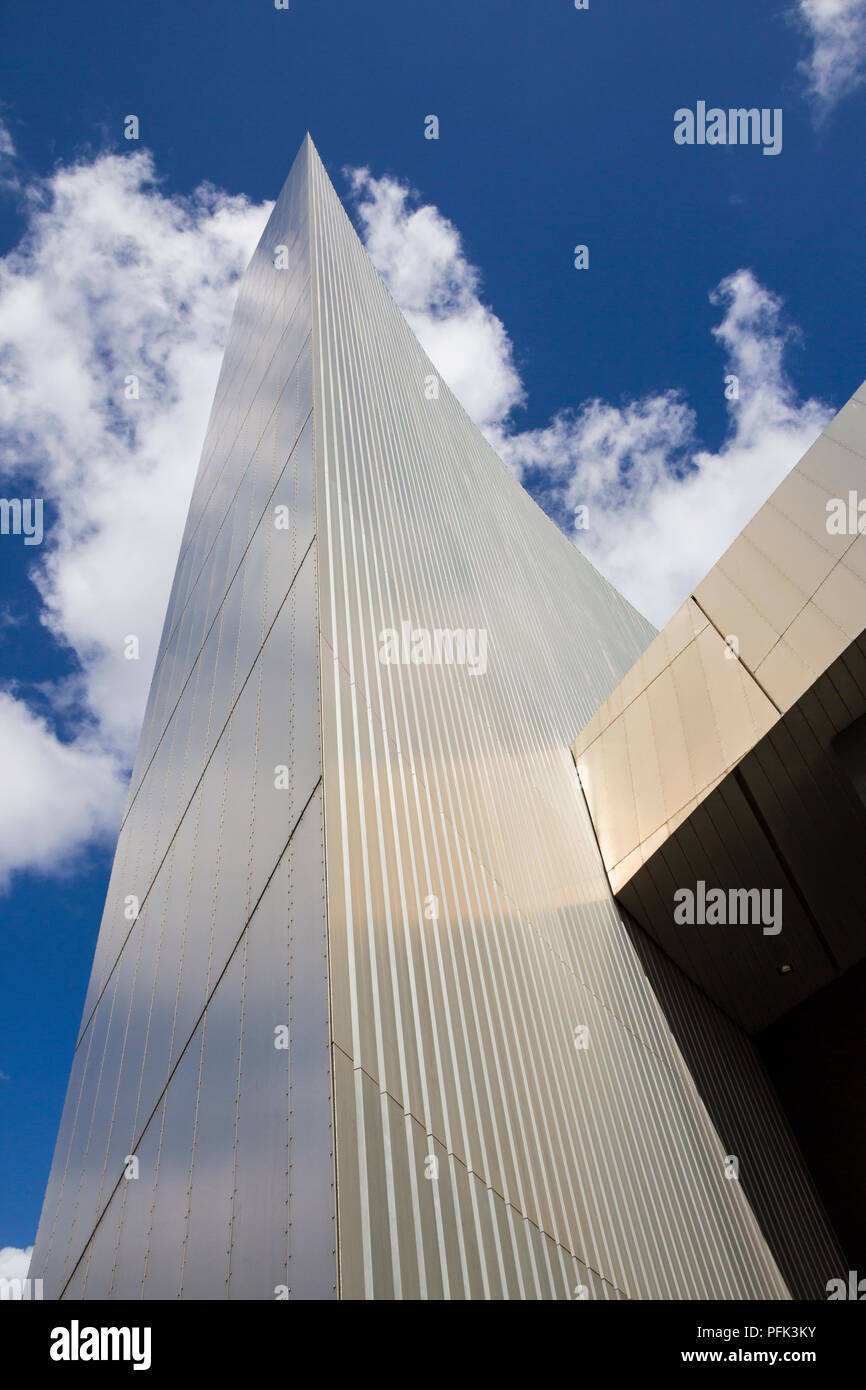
pixel 816 1058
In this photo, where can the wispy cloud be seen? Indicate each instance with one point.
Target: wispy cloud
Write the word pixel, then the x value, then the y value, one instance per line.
pixel 836 62
pixel 9 177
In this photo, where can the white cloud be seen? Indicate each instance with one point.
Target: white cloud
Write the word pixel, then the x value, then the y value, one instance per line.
pixel 836 63
pixel 14 1263
pixel 661 508
pixel 56 796
pixel 113 278
pixel 420 255
pixel 9 179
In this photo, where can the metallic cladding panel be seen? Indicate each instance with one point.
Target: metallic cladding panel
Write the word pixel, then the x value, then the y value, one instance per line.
pixel 178 1062
pixel 395 863
pixel 726 1071
pixel 786 819
pixel 471 928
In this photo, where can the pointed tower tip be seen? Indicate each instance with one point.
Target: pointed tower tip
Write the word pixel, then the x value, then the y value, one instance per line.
pixel 308 145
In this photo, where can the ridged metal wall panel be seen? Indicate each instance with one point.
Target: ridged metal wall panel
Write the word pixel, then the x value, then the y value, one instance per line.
pixel 177 1062
pixel 420 899
pixel 454 1035
pixel 721 1062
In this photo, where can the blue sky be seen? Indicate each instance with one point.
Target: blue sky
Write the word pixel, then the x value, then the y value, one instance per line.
pixel 602 387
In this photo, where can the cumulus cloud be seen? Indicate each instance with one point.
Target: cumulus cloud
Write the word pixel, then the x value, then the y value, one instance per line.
pixel 14 1263
pixel 114 280
pixel 56 795
pixel 836 61
pixel 420 255
pixel 660 508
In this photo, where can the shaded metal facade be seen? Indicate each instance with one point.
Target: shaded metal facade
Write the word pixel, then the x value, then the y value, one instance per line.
pixel 481 1096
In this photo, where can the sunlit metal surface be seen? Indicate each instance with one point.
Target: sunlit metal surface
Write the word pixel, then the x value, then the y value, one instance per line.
pixel 480 1083
pixel 177 1063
